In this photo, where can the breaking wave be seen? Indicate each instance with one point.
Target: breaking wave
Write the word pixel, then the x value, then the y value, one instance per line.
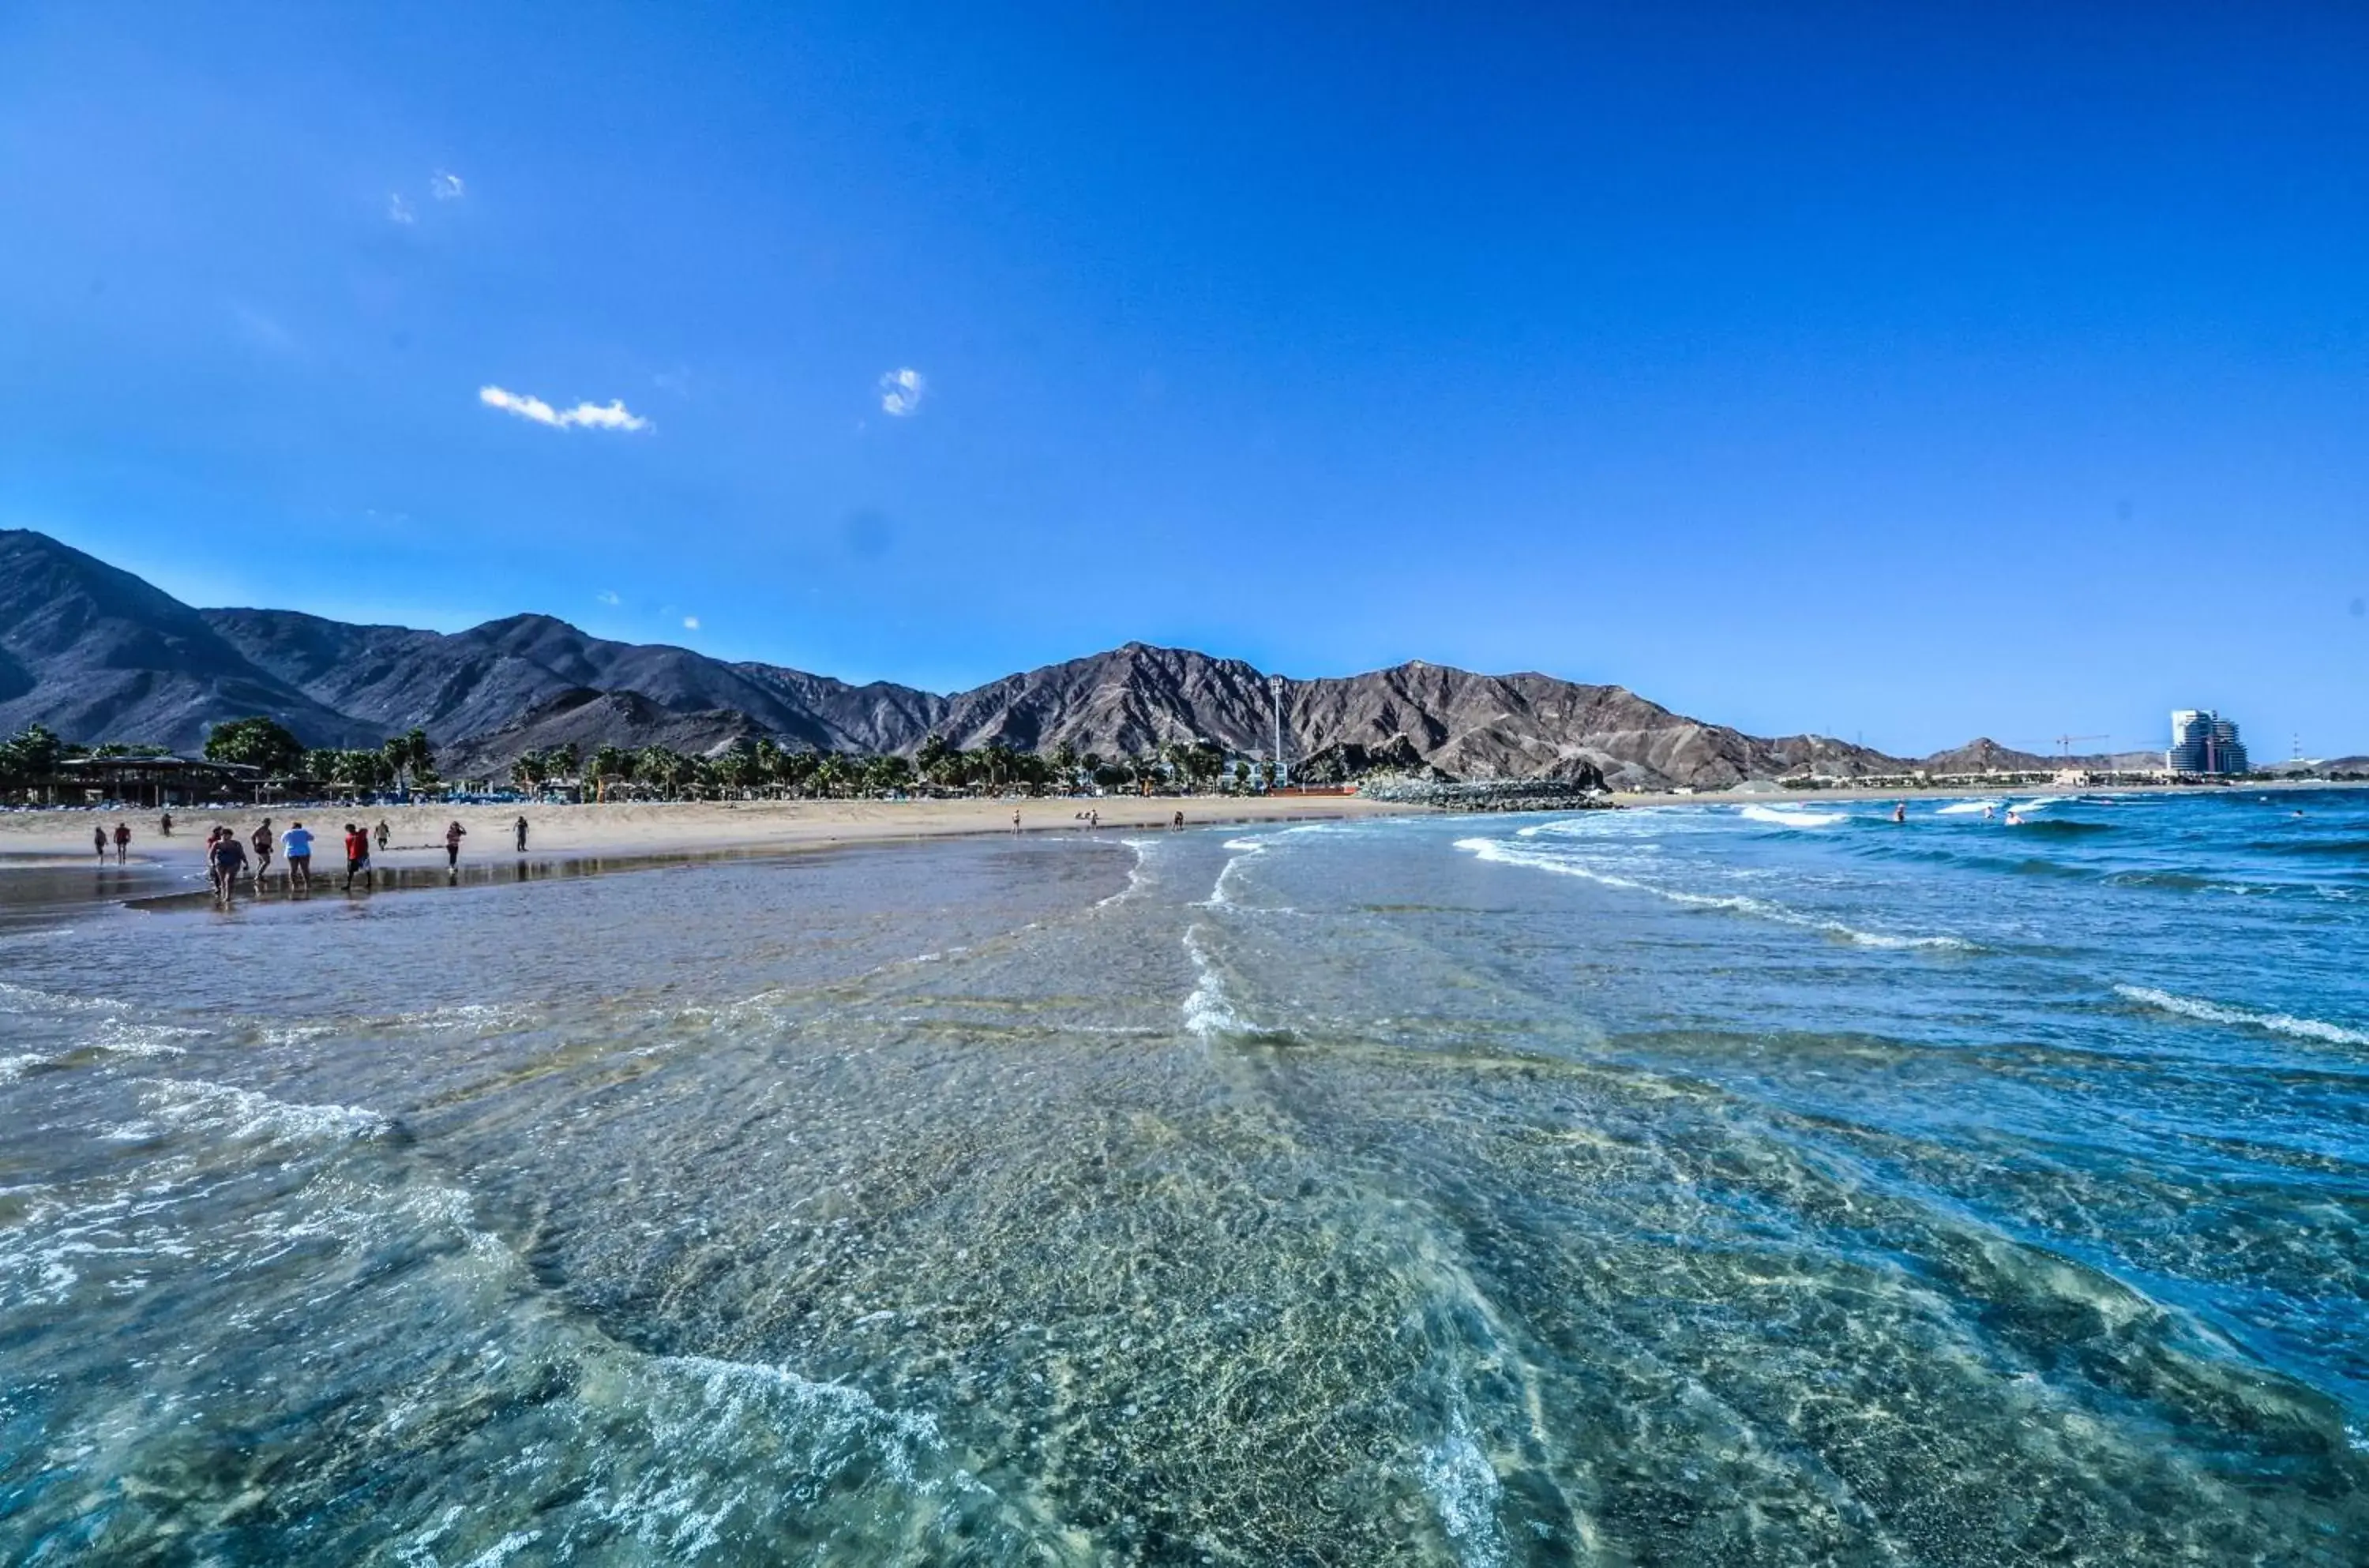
pixel 1777 817
pixel 1507 854
pixel 2215 1012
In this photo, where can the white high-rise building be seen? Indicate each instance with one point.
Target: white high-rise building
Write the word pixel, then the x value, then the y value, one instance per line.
pixel 2204 743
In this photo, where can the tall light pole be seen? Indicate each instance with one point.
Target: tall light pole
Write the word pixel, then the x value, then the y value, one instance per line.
pixel 1274 697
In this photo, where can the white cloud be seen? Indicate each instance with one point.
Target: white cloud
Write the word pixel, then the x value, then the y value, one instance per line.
pixel 691 623
pixel 398 211
pixel 446 186
pixel 606 597
pixel 611 416
pixel 900 391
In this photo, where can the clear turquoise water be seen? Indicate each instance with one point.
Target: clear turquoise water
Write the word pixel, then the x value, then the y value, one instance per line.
pixel 1674 1186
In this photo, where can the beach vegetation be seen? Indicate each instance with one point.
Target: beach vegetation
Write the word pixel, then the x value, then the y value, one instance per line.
pixel 256 742
pixel 28 756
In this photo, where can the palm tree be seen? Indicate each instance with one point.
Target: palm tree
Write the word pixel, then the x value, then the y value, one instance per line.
pixel 610 763
pixel 832 773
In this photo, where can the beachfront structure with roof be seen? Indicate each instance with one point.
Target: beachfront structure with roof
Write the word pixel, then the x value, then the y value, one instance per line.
pixel 2204 744
pixel 157 781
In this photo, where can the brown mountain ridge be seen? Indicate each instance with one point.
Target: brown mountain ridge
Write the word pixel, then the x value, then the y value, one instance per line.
pixel 97 654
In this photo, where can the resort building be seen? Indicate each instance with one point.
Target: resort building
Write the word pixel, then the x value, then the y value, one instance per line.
pixel 2204 743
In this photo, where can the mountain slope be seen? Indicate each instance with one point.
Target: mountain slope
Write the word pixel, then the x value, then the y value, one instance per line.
pixel 94 653
pixel 97 653
pixel 467 683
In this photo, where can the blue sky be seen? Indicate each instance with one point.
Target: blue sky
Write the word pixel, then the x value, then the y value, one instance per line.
pixel 1893 371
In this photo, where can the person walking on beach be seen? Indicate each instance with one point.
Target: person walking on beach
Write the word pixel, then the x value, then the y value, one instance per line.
pixel 123 840
pixel 165 826
pixel 298 843
pixel 98 843
pixel 521 829
pixel 454 832
pixel 1015 820
pixel 261 844
pixel 382 834
pixel 228 856
pixel 358 858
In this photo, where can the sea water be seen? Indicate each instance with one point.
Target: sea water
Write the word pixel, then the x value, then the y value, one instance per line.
pixel 1700 1184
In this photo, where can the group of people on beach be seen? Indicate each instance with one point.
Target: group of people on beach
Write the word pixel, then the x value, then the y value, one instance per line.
pixel 227 858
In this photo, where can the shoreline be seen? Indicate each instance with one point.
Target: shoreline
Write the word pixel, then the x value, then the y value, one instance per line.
pixel 643 833
pixel 2014 792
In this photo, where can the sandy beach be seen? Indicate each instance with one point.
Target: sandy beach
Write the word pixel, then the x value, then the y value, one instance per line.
pixel 644 830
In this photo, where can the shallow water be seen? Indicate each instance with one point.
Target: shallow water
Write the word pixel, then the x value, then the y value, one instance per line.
pixel 1682 1186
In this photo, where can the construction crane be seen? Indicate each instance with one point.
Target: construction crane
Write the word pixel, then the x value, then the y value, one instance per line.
pixel 2064 743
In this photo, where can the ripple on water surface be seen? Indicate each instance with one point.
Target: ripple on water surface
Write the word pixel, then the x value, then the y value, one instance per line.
pixel 1357 1195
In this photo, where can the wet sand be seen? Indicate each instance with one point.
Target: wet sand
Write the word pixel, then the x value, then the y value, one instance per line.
pixel 636 831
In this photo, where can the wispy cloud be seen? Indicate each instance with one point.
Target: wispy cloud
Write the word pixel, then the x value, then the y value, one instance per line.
pixel 691 623
pixel 398 211
pixel 900 393
pixel 611 416
pixel 605 597
pixel 446 186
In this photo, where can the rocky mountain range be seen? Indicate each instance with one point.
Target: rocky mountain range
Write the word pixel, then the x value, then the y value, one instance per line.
pixel 97 654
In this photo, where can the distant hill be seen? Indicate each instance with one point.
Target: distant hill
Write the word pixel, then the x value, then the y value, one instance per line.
pixel 97 654
pixel 470 683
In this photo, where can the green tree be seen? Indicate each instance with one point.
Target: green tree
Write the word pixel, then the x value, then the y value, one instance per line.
pixel 833 775
pixel 257 742
pixel 28 756
pixel 409 758
pixel 886 775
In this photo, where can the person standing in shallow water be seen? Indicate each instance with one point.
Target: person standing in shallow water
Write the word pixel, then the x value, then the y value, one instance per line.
pixel 358 858
pixel 298 843
pixel 98 843
pixel 122 841
pixel 453 834
pixel 261 844
pixel 229 857
pixel 520 827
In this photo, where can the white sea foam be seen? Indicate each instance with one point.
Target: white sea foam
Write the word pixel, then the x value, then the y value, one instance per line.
pixel 1465 1489
pixel 206 1106
pixel 1511 854
pixel 2043 804
pixel 1136 875
pixel 25 999
pixel 14 1067
pixel 2215 1012
pixel 1776 817
pixel 1207 1011
pixel 1243 848
pixel 1967 807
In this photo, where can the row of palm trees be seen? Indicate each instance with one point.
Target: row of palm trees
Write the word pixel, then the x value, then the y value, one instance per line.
pixel 765 767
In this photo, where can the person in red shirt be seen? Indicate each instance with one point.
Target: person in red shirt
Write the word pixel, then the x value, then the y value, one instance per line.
pixel 358 858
